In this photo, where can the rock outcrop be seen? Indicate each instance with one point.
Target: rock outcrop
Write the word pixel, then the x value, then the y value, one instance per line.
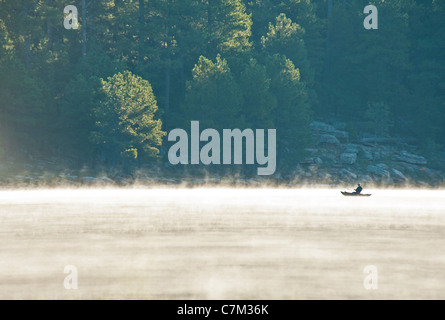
pixel 391 161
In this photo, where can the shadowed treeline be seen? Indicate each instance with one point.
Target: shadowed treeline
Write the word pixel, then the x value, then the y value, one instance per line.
pixel 104 95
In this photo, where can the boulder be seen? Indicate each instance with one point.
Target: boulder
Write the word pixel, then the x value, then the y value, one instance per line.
pixel 348 158
pixel 313 168
pixel 383 166
pixel 423 184
pixel 347 174
pixel 410 158
pixel 367 153
pixel 377 155
pixel 308 161
pixel 398 176
pixel 321 127
pixel 311 161
pixel 351 148
pixel 341 135
pixel 385 152
pixel 411 168
pixel 379 170
pixel 89 180
pixel 328 139
pixel 329 156
pixel 311 150
pixel 339 125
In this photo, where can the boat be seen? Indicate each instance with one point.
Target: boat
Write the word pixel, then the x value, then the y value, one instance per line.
pixel 353 194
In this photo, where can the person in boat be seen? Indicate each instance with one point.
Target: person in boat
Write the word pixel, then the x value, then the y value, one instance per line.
pixel 359 189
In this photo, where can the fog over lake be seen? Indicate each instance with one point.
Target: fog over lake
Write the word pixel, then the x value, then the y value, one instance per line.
pixel 221 243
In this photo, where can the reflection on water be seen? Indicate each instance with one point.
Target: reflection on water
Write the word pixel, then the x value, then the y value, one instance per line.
pixel 221 243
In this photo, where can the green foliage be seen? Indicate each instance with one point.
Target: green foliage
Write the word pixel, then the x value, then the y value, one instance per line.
pixel 229 26
pixel 284 62
pixel 286 37
pixel 125 119
pixel 76 121
pixel 292 115
pixel 213 96
pixel 80 96
pixel 23 118
pixel 298 32
pixel 262 12
pixel 259 102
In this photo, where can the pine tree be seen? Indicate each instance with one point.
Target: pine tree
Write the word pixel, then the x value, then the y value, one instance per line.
pixel 228 27
pixel 126 124
pixel 286 38
pixel 292 115
pixel 213 96
pixel 259 103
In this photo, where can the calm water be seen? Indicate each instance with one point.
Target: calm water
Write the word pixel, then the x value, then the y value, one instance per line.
pixel 221 244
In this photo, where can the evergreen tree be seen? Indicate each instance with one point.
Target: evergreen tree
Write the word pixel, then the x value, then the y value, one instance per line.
pixel 292 115
pixel 286 37
pixel 213 96
pixel 287 59
pixel 126 128
pixel 259 103
pixel 228 27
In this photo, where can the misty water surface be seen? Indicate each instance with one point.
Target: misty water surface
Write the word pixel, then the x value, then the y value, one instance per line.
pixel 215 243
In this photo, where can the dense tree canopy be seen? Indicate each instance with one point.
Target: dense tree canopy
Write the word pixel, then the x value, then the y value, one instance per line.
pixel 92 94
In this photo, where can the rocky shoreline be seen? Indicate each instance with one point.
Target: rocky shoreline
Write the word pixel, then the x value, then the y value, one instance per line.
pixel 376 161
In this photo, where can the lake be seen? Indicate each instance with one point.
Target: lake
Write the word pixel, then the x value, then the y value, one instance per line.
pixel 222 243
